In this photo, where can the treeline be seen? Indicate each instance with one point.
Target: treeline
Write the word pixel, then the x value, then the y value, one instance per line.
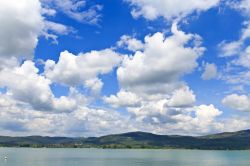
pixel 136 140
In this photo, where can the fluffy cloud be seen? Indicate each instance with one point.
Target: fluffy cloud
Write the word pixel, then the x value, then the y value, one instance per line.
pixel 123 99
pixel 237 102
pixel 207 113
pixel 151 89
pixel 169 9
pixel 150 80
pixel 83 121
pixel 159 118
pixel 183 97
pixel 21 24
pixel 130 43
pixel 210 71
pixel 154 114
pixel 162 62
pixel 77 10
pixel 155 111
pixel 82 69
pixel 18 120
pixel 24 84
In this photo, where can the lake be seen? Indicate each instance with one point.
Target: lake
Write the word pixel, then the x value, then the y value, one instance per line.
pixel 121 157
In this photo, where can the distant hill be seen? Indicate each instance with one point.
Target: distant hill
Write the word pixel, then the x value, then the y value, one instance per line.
pixel 223 141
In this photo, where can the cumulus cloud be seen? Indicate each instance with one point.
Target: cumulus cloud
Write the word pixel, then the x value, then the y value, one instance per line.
pixel 207 113
pixel 21 24
pixel 123 99
pixel 130 43
pixel 169 9
pixel 237 102
pixel 82 69
pixel 151 89
pixel 210 71
pixel 161 63
pixel 158 117
pixel 26 85
pixel 150 79
pixel 83 121
pixel 183 97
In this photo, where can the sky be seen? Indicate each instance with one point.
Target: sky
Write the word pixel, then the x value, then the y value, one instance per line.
pixel 91 68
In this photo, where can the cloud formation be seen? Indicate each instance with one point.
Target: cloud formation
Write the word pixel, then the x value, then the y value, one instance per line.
pixel 26 85
pixel 210 71
pixel 154 69
pixel 237 102
pixel 80 10
pixel 82 69
pixel 21 25
pixel 169 9
pixel 150 89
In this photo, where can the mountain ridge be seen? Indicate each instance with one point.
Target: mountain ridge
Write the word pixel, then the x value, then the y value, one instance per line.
pixel 239 140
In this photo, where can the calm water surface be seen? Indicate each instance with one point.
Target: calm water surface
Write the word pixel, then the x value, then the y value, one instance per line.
pixel 101 157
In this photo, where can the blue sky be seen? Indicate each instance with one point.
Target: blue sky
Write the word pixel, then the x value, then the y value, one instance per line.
pixel 79 67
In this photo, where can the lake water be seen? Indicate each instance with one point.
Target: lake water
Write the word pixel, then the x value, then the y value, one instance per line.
pixel 103 157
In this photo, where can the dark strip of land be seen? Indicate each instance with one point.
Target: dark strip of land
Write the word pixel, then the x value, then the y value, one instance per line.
pixel 223 141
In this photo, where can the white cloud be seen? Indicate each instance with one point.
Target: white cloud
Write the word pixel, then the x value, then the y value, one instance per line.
pixel 21 24
pixel 210 71
pixel 151 89
pixel 242 5
pixel 156 117
pixel 84 121
pixel 48 12
pixel 82 69
pixel 77 10
pixel 123 99
pixel 130 43
pixel 150 80
pixel 24 84
pixel 235 47
pixel 57 28
pixel 230 48
pixel 17 120
pixel 237 102
pixel 237 69
pixel 240 77
pixel 162 62
pixel 169 9
pixel 52 30
pixel 207 113
pixel 183 97
pixel 244 59
pixel 95 85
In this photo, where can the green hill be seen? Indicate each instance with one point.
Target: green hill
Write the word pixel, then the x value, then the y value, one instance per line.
pixel 235 141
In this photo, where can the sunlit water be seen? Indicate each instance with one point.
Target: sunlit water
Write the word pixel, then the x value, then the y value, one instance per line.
pixel 101 157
